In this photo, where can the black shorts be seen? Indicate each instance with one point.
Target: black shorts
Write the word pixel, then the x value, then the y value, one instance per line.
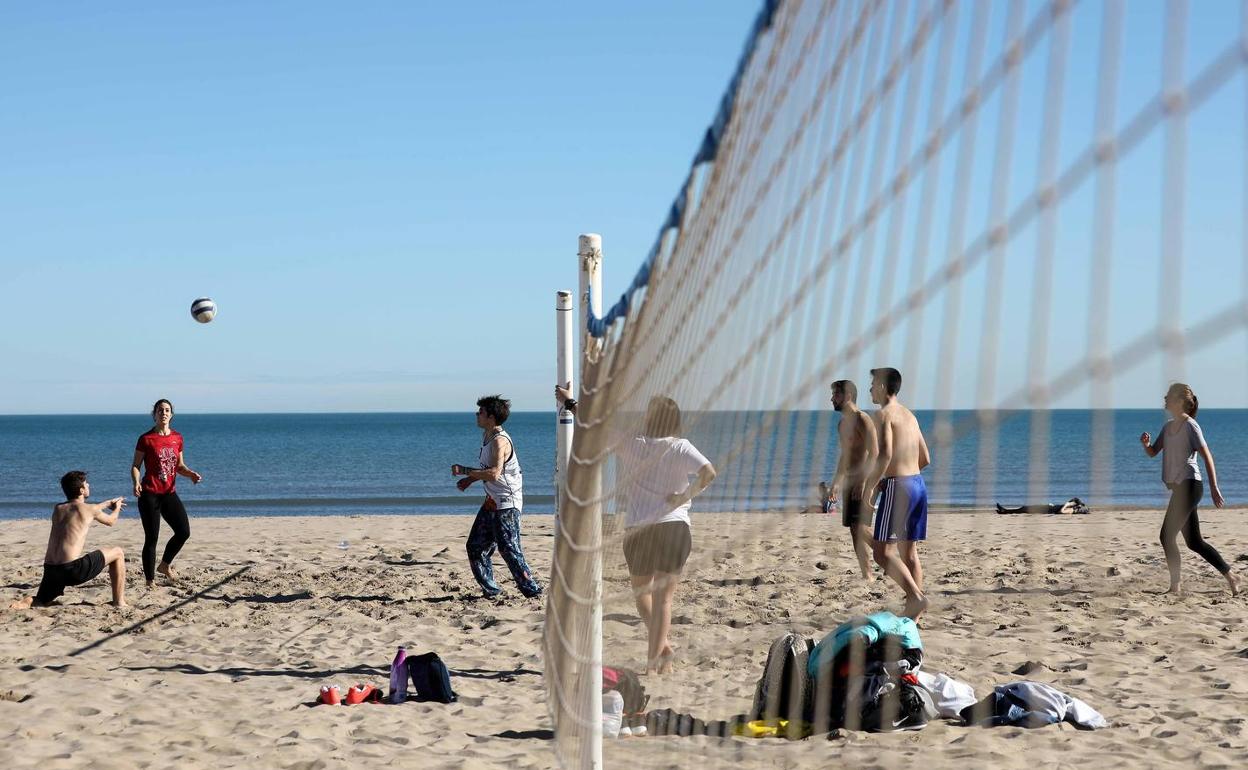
pixel 58 577
pixel 657 548
pixel 851 512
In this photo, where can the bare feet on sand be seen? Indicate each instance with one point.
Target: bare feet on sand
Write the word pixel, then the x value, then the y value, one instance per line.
pixel 120 604
pixel 22 604
pixel 915 606
pixel 167 571
pixel 662 664
pixel 1233 582
pixel 1175 590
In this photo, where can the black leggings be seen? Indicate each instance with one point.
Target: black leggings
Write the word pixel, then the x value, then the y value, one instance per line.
pixel 1181 517
pixel 152 508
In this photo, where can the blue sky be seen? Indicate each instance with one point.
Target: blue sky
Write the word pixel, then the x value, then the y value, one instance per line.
pixel 382 197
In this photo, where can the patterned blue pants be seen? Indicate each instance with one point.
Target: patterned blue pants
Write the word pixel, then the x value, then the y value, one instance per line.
pixel 499 530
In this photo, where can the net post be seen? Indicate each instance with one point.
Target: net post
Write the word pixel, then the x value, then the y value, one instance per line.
pixel 589 263
pixel 563 375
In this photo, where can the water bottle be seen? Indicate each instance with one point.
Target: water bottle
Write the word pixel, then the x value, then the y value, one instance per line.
pixel 398 677
pixel 612 713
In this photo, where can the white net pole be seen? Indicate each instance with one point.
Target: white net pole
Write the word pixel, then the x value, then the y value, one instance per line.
pixel 563 376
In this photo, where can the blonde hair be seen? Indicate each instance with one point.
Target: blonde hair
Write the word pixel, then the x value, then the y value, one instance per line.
pixel 1183 393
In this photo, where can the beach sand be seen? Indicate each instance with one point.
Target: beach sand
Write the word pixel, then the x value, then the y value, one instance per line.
pixel 222 671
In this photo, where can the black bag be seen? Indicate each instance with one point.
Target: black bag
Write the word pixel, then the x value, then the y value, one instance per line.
pixel 784 692
pixel 628 685
pixel 846 694
pixel 430 678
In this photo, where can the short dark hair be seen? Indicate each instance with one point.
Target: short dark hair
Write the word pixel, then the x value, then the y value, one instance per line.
pixel 890 377
pixel 72 483
pixel 495 406
pixel 846 388
pixel 662 418
pixel 156 406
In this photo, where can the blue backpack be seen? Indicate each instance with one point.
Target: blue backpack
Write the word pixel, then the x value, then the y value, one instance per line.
pixel 430 678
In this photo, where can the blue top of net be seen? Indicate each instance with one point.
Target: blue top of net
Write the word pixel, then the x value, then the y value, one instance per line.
pixel 706 152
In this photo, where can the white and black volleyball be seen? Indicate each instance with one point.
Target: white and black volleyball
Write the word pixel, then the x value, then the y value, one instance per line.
pixel 203 310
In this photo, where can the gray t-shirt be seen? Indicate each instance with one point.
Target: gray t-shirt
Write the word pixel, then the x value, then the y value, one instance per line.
pixel 1178 442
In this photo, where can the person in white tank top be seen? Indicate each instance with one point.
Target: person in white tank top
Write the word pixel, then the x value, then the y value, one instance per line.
pixel 497 525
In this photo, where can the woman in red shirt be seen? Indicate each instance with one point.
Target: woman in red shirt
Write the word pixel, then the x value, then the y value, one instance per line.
pixel 159 451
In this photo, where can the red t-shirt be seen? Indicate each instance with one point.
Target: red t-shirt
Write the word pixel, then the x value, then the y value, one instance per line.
pixel 160 460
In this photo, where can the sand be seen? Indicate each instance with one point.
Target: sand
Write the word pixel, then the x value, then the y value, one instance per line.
pixel 223 670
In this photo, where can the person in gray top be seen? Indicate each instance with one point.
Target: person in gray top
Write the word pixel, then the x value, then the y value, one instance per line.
pixel 1179 441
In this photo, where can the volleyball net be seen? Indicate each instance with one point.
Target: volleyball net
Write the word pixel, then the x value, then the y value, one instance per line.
pixel 1022 206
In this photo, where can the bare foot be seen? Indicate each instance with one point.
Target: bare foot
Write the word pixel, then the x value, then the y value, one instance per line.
pixel 663 663
pixel 1176 589
pixel 915 607
pixel 151 584
pixel 1234 583
pixel 119 604
pixel 168 572
pixel 22 604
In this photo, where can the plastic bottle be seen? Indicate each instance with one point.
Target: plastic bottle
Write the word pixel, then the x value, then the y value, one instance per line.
pixel 398 677
pixel 612 713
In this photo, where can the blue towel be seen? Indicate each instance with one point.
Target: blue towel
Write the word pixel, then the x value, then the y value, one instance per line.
pixel 870 629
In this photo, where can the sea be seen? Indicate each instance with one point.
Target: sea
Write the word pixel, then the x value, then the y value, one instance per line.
pixel 399 463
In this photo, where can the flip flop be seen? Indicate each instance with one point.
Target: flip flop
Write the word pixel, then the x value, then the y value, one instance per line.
pixel 330 695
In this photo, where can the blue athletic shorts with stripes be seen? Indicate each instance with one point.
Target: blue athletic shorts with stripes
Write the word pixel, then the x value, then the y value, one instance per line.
pixel 902 513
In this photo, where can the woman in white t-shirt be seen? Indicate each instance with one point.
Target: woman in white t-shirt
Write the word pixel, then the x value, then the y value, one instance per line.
pixel 1179 441
pixel 655 469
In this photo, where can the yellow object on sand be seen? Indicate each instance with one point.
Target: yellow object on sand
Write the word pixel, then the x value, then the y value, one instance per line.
pixel 771 728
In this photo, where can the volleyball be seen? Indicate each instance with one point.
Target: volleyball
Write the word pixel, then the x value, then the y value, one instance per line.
pixel 203 310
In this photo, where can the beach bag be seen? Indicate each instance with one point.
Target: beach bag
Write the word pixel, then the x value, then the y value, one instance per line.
pixel 628 685
pixel 784 691
pixel 430 678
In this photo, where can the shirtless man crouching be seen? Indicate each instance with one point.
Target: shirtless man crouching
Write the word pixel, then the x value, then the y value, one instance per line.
pixel 901 517
pixel 64 564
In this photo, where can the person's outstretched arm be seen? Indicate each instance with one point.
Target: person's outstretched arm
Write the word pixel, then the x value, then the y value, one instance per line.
pixel 109 519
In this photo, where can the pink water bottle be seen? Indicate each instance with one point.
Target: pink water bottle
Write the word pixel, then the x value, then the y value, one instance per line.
pixel 398 677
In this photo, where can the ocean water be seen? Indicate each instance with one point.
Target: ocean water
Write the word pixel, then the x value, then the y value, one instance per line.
pixel 328 464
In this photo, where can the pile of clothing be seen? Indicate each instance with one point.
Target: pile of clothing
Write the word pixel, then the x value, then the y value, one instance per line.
pixel 867 674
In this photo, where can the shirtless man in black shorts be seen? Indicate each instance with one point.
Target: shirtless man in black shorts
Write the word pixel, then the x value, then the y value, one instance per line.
pixel 857 440
pixel 64 564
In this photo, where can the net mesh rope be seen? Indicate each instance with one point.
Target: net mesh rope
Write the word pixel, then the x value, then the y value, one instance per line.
pixel 998 199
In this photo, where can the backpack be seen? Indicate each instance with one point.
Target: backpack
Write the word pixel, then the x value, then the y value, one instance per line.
pixel 628 685
pixel 849 689
pixel 430 678
pixel 784 691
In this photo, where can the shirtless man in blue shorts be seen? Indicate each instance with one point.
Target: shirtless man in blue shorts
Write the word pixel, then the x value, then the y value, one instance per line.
pixel 901 517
